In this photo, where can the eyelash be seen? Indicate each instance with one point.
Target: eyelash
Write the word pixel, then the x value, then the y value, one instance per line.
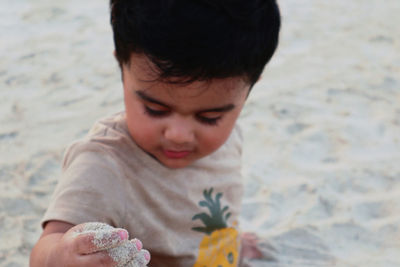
pixel 208 121
pixel 155 113
pixel 162 113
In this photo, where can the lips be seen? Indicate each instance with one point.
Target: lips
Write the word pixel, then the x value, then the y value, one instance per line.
pixel 176 154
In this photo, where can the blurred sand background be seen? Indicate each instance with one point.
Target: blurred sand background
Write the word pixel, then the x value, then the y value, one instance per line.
pixel 322 129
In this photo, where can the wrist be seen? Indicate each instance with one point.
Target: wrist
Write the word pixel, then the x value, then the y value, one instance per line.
pixel 53 256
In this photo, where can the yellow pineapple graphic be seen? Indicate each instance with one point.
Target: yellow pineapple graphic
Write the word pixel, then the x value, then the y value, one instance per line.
pixel 220 246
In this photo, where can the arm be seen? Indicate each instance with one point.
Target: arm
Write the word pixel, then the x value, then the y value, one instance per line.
pixel 52 234
pixel 59 246
pixel 87 244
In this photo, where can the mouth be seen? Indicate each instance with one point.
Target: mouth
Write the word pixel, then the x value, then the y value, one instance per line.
pixel 172 154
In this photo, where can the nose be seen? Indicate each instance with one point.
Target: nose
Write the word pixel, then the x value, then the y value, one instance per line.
pixel 179 131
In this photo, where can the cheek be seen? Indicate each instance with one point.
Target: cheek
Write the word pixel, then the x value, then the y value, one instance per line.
pixel 212 139
pixel 142 128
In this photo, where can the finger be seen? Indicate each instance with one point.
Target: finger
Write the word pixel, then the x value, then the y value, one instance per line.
pixel 129 253
pixel 88 242
pixel 140 260
pixel 94 226
pixel 125 252
pixel 97 259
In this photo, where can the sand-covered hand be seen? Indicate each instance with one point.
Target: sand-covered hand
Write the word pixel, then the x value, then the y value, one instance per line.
pixel 115 242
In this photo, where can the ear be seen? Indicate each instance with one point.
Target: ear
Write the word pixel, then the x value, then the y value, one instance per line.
pixel 115 53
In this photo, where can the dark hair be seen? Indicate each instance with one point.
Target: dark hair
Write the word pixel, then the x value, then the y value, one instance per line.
pixel 198 39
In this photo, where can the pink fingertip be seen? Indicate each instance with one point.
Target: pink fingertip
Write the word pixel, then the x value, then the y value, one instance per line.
pixel 123 234
pixel 139 244
pixel 146 255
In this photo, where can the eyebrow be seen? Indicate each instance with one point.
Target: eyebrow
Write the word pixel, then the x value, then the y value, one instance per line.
pixel 145 97
pixel 226 108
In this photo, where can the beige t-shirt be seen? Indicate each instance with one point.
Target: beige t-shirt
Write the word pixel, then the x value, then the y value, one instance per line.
pixel 184 217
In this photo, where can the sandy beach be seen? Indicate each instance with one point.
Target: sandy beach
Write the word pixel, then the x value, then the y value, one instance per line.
pixel 322 128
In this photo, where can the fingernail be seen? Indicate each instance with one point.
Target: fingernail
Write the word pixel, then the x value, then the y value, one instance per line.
pixel 123 234
pixel 139 244
pixel 146 255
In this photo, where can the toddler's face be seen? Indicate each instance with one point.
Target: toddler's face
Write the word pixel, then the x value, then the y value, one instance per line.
pixel 178 124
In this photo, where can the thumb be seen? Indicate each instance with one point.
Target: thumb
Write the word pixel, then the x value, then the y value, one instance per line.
pixel 92 237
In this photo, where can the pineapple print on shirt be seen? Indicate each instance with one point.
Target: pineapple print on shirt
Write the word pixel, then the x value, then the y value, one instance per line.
pixel 220 246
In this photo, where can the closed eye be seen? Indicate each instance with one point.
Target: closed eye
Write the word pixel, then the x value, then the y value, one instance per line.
pixel 155 112
pixel 209 121
pixel 158 113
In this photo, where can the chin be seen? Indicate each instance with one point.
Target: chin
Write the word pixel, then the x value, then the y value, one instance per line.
pixel 176 163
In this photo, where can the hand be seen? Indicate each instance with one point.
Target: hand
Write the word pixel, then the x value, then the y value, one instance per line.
pixel 252 247
pixel 98 244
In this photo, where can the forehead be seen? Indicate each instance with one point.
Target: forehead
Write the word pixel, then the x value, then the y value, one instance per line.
pixel 144 75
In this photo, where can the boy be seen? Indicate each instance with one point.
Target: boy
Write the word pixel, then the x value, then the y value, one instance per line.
pixel 167 169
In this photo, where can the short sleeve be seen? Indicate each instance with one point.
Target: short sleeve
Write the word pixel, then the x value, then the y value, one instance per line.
pixel 90 188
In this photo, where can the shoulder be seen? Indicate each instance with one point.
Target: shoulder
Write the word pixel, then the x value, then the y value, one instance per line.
pixel 108 129
pixel 107 137
pixel 233 145
pixel 236 137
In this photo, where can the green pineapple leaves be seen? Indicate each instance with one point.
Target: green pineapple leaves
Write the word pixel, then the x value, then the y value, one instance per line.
pixel 217 218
